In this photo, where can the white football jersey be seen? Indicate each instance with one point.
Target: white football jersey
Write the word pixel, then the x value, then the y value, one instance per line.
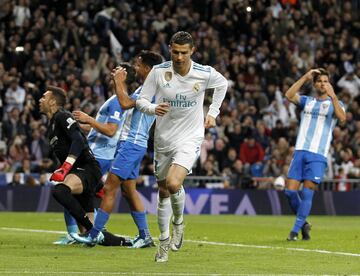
pixel 185 94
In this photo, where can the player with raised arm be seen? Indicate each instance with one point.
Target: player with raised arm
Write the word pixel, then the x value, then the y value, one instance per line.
pixel 179 132
pixel 318 119
pixel 130 152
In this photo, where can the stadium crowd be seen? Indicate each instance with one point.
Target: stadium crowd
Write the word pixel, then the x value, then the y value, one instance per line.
pixel 262 47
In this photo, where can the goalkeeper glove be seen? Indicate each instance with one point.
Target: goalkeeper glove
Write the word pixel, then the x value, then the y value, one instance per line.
pixel 60 174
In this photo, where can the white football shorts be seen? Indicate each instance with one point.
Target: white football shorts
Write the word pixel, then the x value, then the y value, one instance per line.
pixel 184 155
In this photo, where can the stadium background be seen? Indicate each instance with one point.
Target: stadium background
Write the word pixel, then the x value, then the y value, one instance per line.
pixel 262 47
pixel 261 51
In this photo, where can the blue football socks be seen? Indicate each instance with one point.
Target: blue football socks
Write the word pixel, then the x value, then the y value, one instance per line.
pixel 141 223
pixel 71 225
pixel 304 209
pixel 100 220
pixel 294 199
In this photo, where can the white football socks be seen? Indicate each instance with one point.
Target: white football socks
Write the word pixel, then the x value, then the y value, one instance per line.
pixel 164 213
pixel 178 205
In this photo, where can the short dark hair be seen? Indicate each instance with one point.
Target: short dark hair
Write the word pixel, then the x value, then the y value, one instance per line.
pixel 59 94
pixel 182 38
pixel 131 73
pixel 150 58
pixel 323 72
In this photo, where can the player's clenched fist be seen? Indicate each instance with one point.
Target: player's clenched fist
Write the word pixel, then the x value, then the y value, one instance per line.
pixel 119 74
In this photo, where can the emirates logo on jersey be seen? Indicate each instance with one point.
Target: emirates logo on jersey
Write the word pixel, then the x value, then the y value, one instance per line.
pixel 168 76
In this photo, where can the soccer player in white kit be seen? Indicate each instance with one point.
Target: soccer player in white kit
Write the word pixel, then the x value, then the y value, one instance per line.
pixel 179 88
pixel 318 119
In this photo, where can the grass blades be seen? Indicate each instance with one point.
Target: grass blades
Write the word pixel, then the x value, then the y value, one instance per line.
pixel 214 245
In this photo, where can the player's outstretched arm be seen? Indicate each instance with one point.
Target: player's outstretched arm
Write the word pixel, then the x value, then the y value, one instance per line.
pixel 292 93
pixel 108 129
pixel 119 76
pixel 85 128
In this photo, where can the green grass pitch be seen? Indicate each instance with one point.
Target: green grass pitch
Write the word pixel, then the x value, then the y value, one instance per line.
pixel 214 245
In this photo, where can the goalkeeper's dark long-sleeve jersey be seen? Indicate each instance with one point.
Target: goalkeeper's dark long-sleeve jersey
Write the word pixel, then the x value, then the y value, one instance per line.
pixel 66 138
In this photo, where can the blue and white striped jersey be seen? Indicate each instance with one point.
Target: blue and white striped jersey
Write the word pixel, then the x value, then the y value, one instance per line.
pixel 317 123
pixel 136 124
pixel 103 146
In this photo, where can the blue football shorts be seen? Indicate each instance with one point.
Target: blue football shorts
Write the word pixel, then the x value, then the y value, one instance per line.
pixel 104 165
pixel 127 160
pixel 307 165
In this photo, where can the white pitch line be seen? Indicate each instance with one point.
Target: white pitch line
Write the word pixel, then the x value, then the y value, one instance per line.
pixel 210 243
pixel 276 247
pixel 32 230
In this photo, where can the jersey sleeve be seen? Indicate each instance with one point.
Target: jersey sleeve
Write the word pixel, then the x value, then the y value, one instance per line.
pixel 148 91
pixel 302 101
pixel 72 130
pixel 216 79
pixel 220 84
pixel 67 123
pixel 115 112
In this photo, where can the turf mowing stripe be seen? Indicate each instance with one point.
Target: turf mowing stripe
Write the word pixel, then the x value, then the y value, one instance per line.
pixel 276 247
pixel 209 243
pixel 117 273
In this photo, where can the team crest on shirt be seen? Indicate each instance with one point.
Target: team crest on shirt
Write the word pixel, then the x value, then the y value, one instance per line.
pixel 196 87
pixel 326 105
pixel 168 76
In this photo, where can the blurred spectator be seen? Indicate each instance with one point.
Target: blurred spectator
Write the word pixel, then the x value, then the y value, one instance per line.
pixel 278 131
pixel 239 178
pixel 14 96
pixel 346 161
pixel 219 152
pixel 274 164
pixel 21 12
pixel 5 163
pixel 18 150
pixel 351 83
pixel 230 158
pixel 208 169
pixel 235 135
pixel 17 179
pixel 206 146
pixel 25 167
pixel 251 152
pixel 39 148
pixel 13 126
